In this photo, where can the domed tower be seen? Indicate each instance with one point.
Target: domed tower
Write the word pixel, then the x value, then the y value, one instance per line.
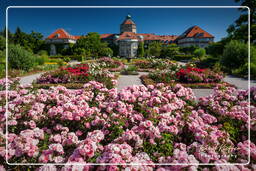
pixel 128 25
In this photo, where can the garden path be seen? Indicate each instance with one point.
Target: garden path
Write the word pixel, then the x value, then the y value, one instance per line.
pixel 128 80
pixel 29 79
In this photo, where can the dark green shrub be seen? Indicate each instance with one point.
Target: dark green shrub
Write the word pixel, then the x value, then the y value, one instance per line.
pixel 19 58
pixel 40 60
pixel 235 55
pixel 207 62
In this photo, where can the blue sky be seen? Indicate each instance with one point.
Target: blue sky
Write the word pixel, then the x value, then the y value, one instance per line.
pixel 158 21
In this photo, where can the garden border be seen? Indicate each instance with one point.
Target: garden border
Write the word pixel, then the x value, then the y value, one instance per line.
pixel 148 81
pixel 97 164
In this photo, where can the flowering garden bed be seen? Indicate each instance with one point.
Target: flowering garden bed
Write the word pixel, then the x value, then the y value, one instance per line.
pixel 75 76
pixel 146 80
pixel 150 65
pixel 188 76
pixel 110 64
pixel 143 125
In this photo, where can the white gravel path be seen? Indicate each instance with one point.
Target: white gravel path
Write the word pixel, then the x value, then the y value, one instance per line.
pixel 29 79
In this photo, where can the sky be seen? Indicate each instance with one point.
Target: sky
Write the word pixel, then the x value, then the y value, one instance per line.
pixel 80 21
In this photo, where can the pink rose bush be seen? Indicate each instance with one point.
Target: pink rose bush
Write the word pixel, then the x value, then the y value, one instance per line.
pixel 129 129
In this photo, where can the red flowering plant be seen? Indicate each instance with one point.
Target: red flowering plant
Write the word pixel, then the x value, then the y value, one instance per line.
pixel 197 75
pixel 80 69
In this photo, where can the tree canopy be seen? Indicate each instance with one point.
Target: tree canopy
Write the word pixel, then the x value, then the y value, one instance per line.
pixel 239 30
pixel 91 45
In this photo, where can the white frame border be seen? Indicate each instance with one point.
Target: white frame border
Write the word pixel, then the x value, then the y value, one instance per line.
pixel 128 164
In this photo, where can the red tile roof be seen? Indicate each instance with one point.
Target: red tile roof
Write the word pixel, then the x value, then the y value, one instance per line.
pixel 195 31
pixel 61 34
pixel 104 36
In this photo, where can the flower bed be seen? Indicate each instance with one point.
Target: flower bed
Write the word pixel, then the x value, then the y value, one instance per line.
pixel 139 124
pixel 110 64
pixel 146 80
pixel 77 74
pixel 153 64
pixel 188 76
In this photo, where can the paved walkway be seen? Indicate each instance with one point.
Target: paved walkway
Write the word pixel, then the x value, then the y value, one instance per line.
pixel 128 80
pixel 240 83
pixel 29 79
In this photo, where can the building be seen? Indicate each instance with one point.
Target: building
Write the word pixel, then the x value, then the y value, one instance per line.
pixel 128 39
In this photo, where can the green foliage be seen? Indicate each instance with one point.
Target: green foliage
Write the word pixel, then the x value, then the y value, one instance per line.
pixel 40 60
pixel 163 146
pixel 239 30
pixel 235 55
pixel 199 53
pixel 91 45
pixel 42 53
pixel 2 43
pixel 141 51
pixel 170 51
pixel 115 49
pixel 19 58
pixel 215 49
pixel 189 49
pixel 106 52
pixel 130 70
pixel 32 42
pixel 155 49
pixel 233 128
pixel 60 62
pixel 66 59
pixel 180 57
pixel 207 62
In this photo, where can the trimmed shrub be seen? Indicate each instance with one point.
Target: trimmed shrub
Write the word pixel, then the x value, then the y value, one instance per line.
pixel 19 58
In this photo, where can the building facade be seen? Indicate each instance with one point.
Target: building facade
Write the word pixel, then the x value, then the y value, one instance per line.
pixel 128 39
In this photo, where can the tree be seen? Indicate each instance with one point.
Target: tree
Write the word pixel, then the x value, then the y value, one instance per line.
pixel 170 51
pixel 239 30
pixel 155 49
pixel 32 42
pixel 235 54
pixel 90 43
pixel 199 53
pixel 10 35
pixel 141 51
pixel 106 52
pixel 19 58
